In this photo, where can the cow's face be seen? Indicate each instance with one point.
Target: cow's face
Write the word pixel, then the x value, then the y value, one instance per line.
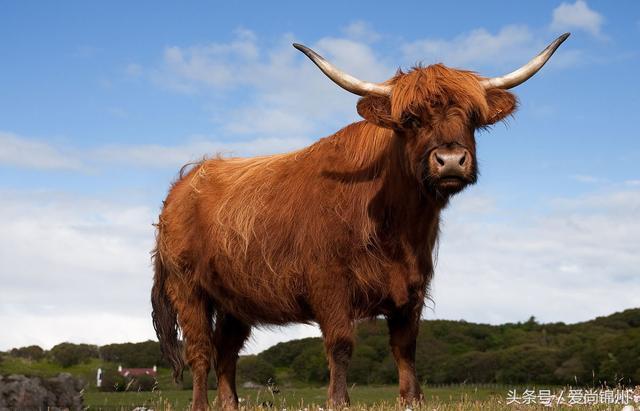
pixel 435 111
pixel 440 147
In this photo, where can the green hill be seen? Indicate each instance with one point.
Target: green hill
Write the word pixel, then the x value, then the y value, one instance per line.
pixel 606 349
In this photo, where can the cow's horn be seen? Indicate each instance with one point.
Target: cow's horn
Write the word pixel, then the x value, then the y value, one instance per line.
pixel 525 72
pixel 344 80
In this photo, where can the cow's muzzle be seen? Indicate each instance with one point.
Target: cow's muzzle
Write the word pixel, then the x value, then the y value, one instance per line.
pixel 451 168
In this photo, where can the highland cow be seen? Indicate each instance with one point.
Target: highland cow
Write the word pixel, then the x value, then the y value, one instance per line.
pixel 333 233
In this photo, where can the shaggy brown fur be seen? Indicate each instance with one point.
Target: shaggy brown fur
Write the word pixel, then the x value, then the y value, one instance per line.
pixel 336 232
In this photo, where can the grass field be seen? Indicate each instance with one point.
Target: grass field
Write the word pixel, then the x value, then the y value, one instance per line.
pixel 362 398
pixel 293 398
pixel 451 397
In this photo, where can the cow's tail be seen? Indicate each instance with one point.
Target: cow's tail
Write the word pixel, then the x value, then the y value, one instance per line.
pixel 165 318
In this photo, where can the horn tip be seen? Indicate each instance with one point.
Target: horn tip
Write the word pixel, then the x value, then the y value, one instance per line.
pixel 562 38
pixel 299 46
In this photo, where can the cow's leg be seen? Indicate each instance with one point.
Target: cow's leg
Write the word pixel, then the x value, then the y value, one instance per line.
pixel 195 319
pixel 229 338
pixel 337 330
pixel 403 331
pixel 330 305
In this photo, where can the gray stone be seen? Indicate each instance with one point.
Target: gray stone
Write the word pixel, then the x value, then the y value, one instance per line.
pixel 63 392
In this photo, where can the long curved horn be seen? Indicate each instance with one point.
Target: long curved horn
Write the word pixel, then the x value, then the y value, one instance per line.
pixel 525 72
pixel 344 80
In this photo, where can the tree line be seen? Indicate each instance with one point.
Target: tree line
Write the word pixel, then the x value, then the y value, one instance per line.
pixel 135 355
pixel 603 350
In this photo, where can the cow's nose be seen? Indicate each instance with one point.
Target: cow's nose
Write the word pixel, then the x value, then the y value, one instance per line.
pixel 450 161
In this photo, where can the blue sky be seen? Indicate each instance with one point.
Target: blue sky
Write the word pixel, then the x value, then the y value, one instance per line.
pixel 101 104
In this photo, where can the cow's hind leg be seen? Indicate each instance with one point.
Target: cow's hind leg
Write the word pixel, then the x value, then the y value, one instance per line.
pixel 403 332
pixel 229 337
pixel 195 316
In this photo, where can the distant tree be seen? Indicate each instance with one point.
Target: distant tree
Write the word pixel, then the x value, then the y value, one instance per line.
pixel 68 354
pixel 385 372
pixel 571 370
pixel 527 363
pixel 531 323
pixel 283 354
pixel 255 369
pixel 311 365
pixel 606 349
pixel 31 352
pixel 363 364
pixel 137 355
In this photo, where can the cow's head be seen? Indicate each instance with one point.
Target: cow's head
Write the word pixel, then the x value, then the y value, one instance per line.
pixel 435 110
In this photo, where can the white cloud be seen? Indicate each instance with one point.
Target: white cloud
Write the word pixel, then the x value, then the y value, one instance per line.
pixel 51 328
pixel 287 94
pixel 588 179
pixel 118 112
pixel 579 16
pixel 148 155
pixel 361 30
pixel 478 47
pixel 69 263
pixel 133 70
pixel 215 65
pixel 571 263
pixel 23 152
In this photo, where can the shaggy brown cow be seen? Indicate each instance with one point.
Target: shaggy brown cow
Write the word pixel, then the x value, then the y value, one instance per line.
pixel 333 233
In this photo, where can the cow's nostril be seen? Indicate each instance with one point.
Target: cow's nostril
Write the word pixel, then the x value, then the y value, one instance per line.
pixel 463 159
pixel 439 159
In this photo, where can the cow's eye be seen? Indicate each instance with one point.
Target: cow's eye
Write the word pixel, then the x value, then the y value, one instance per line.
pixel 411 121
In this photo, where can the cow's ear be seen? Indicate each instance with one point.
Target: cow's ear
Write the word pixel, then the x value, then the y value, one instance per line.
pixel 501 104
pixel 377 110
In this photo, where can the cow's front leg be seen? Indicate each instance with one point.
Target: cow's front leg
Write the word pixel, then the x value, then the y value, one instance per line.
pixel 338 342
pixel 403 331
pixel 329 301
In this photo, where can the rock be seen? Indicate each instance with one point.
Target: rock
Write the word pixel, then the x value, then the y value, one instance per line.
pixel 34 393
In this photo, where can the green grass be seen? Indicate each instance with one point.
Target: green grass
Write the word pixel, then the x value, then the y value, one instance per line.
pixel 455 397
pixel 366 396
